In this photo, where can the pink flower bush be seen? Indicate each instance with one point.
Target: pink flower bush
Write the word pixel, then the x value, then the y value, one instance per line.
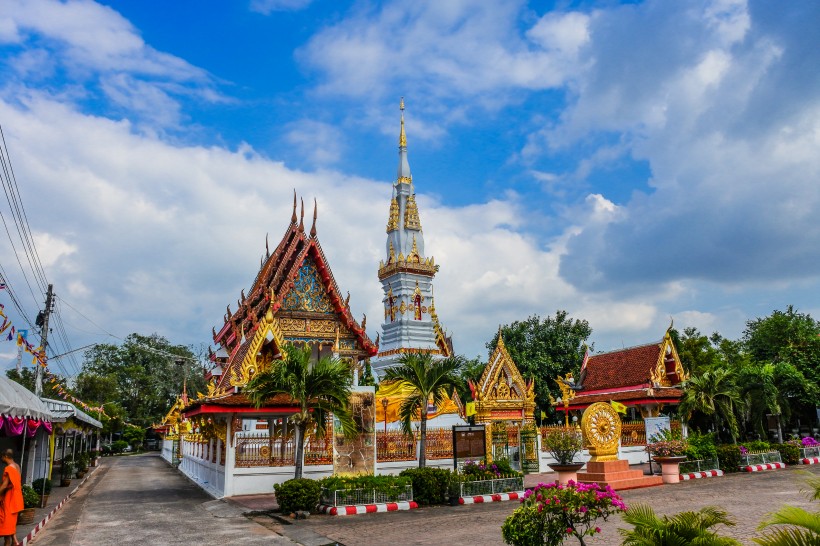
pixel 551 513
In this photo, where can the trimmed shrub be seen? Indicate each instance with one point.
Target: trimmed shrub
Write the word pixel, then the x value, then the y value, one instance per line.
pixel 298 494
pixel 38 485
pixel 387 485
pixel 757 446
pixel 729 457
pixel 789 453
pixel 701 446
pixel 119 446
pixel 430 485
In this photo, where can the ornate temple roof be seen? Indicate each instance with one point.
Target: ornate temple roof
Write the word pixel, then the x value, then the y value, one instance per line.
pixel 635 374
pixel 294 297
pixel 502 393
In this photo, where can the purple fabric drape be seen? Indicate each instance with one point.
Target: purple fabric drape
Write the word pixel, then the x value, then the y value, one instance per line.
pixel 14 426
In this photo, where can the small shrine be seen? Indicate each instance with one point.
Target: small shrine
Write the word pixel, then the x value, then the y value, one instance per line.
pixel 646 378
pixel 502 394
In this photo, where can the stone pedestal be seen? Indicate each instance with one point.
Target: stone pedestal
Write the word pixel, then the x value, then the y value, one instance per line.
pixel 617 475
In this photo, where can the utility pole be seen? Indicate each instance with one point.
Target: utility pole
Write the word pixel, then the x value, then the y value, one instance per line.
pixel 38 381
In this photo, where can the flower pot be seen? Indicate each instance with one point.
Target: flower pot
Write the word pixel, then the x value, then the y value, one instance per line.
pixel 43 501
pixel 566 472
pixel 670 468
pixel 80 473
pixel 65 482
pixel 26 517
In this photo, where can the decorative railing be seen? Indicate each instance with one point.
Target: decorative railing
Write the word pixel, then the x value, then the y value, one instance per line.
pixel 262 450
pixel 439 443
pixel 763 457
pixel 699 465
pixel 394 445
pixel 809 452
pixel 633 433
pixel 350 497
pixel 490 487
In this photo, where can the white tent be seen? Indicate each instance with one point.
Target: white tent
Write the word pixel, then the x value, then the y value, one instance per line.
pixel 17 401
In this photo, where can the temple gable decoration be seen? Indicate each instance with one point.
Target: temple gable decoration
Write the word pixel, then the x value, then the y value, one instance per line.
pixel 294 298
pixel 502 394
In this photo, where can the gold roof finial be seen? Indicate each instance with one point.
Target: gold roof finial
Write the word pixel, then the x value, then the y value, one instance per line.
pixel 402 136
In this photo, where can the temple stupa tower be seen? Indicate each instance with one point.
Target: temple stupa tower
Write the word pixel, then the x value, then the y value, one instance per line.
pixel 410 321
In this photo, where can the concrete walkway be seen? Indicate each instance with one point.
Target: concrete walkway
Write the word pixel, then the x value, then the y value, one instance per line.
pixel 142 500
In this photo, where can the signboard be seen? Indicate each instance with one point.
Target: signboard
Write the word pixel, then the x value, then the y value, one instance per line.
pixel 469 442
pixel 655 426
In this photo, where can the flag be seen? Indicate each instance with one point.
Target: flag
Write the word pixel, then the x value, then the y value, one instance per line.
pixel 469 409
pixel 586 359
pixel 2 286
pixel 543 415
pixel 620 408
pixel 11 334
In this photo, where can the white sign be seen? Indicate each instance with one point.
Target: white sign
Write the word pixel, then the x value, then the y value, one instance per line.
pixel 655 426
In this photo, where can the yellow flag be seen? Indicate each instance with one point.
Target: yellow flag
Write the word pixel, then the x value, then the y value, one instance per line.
pixel 470 409
pixel 543 414
pixel 620 408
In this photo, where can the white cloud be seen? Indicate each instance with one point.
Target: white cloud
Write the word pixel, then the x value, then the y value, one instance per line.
pixel 266 7
pixel 316 141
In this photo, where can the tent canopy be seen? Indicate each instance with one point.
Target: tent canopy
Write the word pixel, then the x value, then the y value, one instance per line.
pixel 63 410
pixel 18 401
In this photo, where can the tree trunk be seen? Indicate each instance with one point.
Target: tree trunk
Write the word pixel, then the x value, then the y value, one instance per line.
pixel 300 449
pixel 423 437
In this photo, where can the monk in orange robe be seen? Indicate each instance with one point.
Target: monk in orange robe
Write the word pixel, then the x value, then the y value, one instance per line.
pixel 11 499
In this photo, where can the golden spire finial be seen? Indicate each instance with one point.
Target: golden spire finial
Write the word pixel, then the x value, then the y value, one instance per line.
pixel 402 136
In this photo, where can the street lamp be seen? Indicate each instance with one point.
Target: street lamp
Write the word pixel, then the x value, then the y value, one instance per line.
pixel 384 407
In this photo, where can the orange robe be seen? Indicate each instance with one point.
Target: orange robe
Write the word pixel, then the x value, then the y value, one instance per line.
pixel 12 502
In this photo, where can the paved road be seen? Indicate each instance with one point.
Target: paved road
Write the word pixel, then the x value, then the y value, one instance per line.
pixel 747 497
pixel 142 500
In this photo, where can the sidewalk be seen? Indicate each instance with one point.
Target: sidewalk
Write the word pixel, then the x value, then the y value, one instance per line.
pixel 57 498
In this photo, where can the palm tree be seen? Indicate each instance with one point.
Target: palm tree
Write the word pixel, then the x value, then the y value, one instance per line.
pixel 318 388
pixel 804 526
pixel 712 393
pixel 428 378
pixel 678 530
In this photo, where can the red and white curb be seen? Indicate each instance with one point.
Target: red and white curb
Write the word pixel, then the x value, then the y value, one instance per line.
pixel 498 497
pixel 701 474
pixel 39 527
pixel 366 508
pixel 760 467
pixel 810 460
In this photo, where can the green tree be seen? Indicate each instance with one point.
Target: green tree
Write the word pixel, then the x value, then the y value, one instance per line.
pixel 681 529
pixel 545 349
pixel 786 336
pixel 713 394
pixel 470 370
pixel 431 379
pixel 318 388
pixel 145 373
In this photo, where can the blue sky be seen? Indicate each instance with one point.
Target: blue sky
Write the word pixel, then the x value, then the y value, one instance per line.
pixel 627 162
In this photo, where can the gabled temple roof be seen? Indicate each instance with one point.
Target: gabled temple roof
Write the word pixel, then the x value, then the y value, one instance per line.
pixel 276 290
pixel 643 372
pixel 502 392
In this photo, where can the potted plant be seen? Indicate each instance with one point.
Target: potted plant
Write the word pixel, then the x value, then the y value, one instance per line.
pixel 31 500
pixel 564 444
pixel 43 487
pixel 669 450
pixel 82 464
pixel 66 472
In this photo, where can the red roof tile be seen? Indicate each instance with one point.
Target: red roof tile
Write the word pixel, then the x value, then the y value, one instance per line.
pixel 623 368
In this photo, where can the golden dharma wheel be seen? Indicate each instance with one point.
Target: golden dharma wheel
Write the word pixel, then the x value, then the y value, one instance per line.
pixel 601 427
